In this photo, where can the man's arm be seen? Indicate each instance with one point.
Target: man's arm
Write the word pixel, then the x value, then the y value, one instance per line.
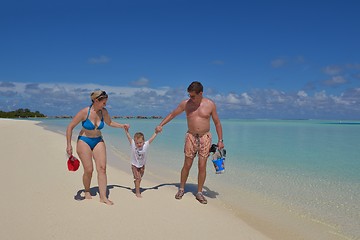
pixel 218 128
pixel 171 115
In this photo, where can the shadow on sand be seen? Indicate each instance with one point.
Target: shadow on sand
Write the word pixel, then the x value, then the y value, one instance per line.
pixel 190 187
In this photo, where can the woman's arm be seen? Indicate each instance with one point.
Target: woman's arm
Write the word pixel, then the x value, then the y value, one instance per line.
pixel 109 122
pixel 74 122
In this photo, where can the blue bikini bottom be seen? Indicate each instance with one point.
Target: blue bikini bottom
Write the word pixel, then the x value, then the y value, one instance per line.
pixel 92 142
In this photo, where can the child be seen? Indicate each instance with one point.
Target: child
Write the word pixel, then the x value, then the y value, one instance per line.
pixel 138 156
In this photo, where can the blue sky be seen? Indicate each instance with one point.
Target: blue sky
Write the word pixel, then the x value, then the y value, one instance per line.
pixel 256 59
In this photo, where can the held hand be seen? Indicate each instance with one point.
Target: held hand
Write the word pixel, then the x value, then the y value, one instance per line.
pixel 126 127
pixel 158 129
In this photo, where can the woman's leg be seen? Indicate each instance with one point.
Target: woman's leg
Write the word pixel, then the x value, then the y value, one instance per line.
pixel 85 155
pixel 100 161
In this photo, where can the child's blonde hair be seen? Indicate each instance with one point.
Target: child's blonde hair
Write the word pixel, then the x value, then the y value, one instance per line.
pixel 139 135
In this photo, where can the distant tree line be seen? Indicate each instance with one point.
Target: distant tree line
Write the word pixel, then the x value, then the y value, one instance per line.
pixel 21 113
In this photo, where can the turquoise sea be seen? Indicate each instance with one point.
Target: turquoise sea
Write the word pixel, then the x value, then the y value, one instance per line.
pixel 276 171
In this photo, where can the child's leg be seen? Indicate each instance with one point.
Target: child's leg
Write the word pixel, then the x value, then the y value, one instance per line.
pixel 141 172
pixel 137 179
pixel 137 188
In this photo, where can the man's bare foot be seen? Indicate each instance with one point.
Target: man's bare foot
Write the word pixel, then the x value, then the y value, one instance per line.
pixel 107 201
pixel 87 195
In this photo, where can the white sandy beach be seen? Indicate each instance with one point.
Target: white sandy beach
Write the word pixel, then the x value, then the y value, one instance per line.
pixel 39 199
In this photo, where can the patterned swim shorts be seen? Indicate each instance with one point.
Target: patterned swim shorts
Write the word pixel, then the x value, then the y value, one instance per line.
pixel 197 144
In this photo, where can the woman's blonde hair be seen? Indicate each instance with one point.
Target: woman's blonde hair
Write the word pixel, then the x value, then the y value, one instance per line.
pixel 98 94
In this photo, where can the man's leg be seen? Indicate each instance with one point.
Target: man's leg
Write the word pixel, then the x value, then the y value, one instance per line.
pixel 185 171
pixel 184 176
pixel 201 173
pixel 203 156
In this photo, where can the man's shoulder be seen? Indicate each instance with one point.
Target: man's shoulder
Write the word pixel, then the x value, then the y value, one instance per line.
pixel 183 103
pixel 208 100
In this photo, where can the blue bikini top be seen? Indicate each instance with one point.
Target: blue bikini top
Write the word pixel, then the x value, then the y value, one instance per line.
pixel 88 125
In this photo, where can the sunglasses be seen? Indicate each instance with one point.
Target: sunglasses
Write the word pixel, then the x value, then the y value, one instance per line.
pixel 102 95
pixel 192 96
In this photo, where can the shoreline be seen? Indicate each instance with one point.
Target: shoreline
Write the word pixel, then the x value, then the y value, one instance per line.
pixel 41 200
pixel 271 219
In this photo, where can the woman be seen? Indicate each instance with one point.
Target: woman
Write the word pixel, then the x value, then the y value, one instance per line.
pixel 90 143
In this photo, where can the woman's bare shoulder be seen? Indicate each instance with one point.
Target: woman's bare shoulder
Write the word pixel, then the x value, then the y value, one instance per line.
pixel 105 112
pixel 83 112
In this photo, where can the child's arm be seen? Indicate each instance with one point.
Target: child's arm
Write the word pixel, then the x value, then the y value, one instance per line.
pixel 128 134
pixel 153 137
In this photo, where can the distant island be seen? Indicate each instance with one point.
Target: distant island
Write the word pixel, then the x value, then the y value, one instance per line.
pixel 21 113
pixel 26 113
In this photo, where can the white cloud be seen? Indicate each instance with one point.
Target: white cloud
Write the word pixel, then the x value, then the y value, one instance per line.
pixel 332 70
pixel 99 60
pixel 276 63
pixel 68 99
pixel 340 100
pixel 6 85
pixel 320 96
pixel 353 66
pixel 232 99
pixel 246 99
pixel 302 98
pixel 272 96
pixel 302 94
pixel 141 82
pixel 336 80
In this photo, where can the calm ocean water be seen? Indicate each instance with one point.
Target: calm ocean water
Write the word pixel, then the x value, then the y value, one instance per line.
pixel 305 169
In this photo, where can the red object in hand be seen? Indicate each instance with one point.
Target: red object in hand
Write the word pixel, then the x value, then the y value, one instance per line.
pixel 73 163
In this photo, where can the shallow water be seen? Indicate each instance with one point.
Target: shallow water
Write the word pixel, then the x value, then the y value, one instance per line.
pixel 306 168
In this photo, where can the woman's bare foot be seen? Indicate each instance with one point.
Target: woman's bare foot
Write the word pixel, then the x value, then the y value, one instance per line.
pixel 106 201
pixel 87 195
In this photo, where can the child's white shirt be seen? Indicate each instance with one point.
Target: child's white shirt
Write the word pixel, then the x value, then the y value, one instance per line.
pixel 139 156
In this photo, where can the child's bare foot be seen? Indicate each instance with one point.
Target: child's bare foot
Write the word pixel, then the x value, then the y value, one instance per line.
pixel 138 195
pixel 107 201
pixel 87 195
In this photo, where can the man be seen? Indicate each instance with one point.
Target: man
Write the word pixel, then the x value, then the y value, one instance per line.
pixel 198 139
